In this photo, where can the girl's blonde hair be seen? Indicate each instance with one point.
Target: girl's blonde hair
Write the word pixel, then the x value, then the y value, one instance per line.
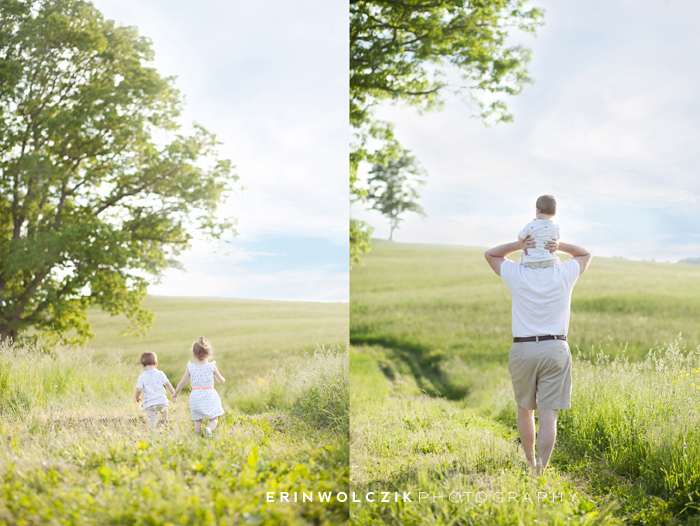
pixel 201 348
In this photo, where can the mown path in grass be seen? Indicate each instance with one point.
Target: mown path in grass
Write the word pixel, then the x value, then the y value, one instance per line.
pixel 74 448
pixel 404 440
pixel 432 406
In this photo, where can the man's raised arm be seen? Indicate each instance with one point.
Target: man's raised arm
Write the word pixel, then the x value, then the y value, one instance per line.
pixel 580 254
pixel 497 255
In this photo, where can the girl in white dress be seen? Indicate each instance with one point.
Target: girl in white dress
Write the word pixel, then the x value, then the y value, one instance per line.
pixel 204 400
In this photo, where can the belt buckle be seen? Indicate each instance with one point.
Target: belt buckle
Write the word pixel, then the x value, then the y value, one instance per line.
pixel 537 339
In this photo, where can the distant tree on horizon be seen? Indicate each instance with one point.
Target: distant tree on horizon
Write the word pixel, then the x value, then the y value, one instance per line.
pixel 98 192
pixel 393 189
pixel 413 52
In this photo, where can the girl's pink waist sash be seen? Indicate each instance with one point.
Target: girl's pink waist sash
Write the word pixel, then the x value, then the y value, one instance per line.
pixel 195 388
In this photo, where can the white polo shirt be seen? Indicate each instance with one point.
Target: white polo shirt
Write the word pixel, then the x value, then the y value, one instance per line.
pixel 152 384
pixel 541 297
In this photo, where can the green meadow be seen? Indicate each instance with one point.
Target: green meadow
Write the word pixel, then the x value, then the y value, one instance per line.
pixel 74 447
pixel 432 408
pixel 249 337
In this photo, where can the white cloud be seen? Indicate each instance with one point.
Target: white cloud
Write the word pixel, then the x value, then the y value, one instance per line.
pixel 270 79
pixel 317 284
pixel 610 128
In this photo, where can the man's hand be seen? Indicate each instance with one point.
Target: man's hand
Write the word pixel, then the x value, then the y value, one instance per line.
pixel 552 245
pixel 528 242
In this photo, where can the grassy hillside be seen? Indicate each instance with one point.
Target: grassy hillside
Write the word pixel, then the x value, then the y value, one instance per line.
pixel 443 312
pixel 249 336
pixel 432 406
pixel 74 448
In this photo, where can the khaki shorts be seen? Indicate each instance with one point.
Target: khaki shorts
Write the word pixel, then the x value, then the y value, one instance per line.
pixel 541 264
pixel 153 411
pixel 541 374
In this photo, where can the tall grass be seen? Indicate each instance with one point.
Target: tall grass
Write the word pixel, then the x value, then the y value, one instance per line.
pixel 435 320
pixel 36 381
pixel 317 390
pixel 642 420
pixel 74 449
pixel 403 440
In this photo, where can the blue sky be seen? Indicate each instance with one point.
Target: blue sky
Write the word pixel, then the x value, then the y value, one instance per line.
pixel 269 77
pixel 610 127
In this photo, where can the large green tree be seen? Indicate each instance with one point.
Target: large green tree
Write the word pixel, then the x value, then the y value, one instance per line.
pixel 98 191
pixel 416 51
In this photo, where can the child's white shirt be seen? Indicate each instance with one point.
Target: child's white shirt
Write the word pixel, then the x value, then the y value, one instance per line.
pixel 542 231
pixel 152 383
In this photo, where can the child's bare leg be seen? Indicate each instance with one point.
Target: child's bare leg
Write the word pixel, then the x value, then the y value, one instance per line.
pixel 198 426
pixel 151 418
pixel 164 412
pixel 212 423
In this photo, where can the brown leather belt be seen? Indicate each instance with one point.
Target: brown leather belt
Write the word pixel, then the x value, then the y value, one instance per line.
pixel 538 338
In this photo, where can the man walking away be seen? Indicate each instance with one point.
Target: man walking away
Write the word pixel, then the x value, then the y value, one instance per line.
pixel 540 359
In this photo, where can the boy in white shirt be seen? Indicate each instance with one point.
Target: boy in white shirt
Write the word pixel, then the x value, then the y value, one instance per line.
pixel 542 230
pixel 152 383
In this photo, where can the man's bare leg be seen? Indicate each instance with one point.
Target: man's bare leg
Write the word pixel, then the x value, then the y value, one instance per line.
pixel 526 430
pixel 546 437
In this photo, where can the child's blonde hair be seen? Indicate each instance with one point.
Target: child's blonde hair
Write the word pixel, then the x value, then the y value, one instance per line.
pixel 201 348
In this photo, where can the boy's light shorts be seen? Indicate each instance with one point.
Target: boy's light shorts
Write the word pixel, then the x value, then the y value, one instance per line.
pixel 541 264
pixel 541 374
pixel 152 412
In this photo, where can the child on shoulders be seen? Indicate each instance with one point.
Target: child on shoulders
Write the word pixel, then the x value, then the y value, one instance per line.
pixel 542 229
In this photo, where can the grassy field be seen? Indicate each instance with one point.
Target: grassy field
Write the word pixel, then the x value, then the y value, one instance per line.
pixel 249 336
pixel 432 408
pixel 74 448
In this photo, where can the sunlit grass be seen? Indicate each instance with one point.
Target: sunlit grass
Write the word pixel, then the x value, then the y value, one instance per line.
pixel 432 404
pixel 403 440
pixel 248 336
pixel 74 448
pixel 641 419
